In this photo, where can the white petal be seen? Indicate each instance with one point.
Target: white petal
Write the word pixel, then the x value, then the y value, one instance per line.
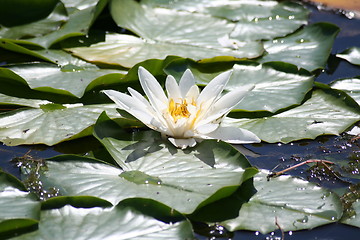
pixel 225 104
pixel 152 89
pixel 138 96
pixel 231 99
pixel 207 128
pixel 186 82
pixel 213 90
pixel 159 121
pixel 183 142
pixel 131 105
pixel 172 88
pixel 233 135
pixel 192 94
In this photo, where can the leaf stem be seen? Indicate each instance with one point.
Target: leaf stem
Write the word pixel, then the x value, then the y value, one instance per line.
pixel 276 174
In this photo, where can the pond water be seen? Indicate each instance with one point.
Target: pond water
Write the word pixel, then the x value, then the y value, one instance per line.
pixel 274 157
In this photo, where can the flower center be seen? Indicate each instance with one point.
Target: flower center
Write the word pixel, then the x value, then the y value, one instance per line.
pixel 178 110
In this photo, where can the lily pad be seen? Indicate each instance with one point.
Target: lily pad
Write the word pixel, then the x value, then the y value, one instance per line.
pixel 286 202
pixel 194 36
pixel 77 23
pixel 351 86
pixel 322 114
pixel 69 79
pixel 352 55
pixel 307 48
pixel 18 208
pixel 274 89
pixel 355 219
pixel 50 123
pixel 19 12
pixel 116 223
pixel 277 85
pixel 152 169
pixel 254 20
pixel 58 57
pixel 9 100
pixel 35 29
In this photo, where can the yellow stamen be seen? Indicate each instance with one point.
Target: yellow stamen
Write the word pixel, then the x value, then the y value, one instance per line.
pixel 178 110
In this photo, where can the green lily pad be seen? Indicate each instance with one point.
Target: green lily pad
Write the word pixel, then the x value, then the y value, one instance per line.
pixel 307 48
pixel 286 202
pixel 277 85
pixel 351 86
pixel 38 28
pixel 322 114
pixel 123 49
pixel 352 55
pixel 152 169
pixel 50 124
pixel 355 219
pixel 116 223
pixel 19 12
pixel 254 20
pixel 9 100
pixel 80 16
pixel 62 58
pixel 18 208
pixel 58 57
pixel 193 36
pixel 274 88
pixel 69 79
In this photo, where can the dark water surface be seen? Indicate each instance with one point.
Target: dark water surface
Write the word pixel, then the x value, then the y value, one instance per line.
pixel 277 156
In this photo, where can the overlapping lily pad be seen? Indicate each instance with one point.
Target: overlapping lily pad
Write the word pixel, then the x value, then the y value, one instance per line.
pixel 58 57
pixel 50 123
pixel 69 79
pixel 307 48
pixel 164 32
pixel 116 223
pixel 152 169
pixel 352 55
pixel 287 203
pixel 69 19
pixel 9 100
pixel 355 219
pixel 254 20
pixel 322 114
pixel 39 28
pixel 351 86
pixel 18 208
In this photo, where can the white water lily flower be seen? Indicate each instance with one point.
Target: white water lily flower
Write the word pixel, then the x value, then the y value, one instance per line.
pixel 185 114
